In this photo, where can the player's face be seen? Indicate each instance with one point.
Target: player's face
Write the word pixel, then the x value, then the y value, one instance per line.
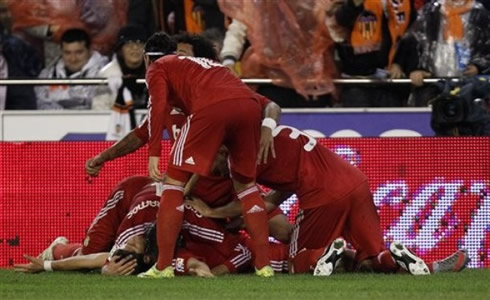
pixel 184 49
pixel 75 55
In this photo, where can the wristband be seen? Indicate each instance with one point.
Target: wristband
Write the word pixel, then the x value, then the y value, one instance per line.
pixel 229 62
pixel 47 266
pixel 269 123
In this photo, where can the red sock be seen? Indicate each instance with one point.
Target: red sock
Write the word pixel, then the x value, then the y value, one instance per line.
pixel 384 263
pixel 61 251
pixel 305 260
pixel 255 217
pixel 169 220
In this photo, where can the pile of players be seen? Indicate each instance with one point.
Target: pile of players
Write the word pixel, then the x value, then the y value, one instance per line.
pixel 189 221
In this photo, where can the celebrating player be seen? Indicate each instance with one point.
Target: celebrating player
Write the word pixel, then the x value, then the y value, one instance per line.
pixel 334 200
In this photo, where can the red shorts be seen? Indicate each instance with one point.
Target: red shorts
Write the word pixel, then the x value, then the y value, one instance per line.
pixel 353 217
pixel 239 259
pixel 234 123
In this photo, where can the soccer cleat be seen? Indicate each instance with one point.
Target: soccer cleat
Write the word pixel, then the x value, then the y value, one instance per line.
pixel 330 258
pixel 48 253
pixel 453 263
pixel 408 260
pixel 153 272
pixel 266 271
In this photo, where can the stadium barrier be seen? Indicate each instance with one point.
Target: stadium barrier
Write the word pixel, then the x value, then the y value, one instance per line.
pixel 433 194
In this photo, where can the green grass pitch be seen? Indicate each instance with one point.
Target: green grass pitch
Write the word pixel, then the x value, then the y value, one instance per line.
pixel 469 284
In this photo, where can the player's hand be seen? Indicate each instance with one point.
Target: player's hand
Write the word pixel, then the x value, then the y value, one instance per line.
pixel 93 165
pixel 153 168
pixel 35 265
pixel 124 266
pixel 417 77
pixel 200 206
pixel 266 145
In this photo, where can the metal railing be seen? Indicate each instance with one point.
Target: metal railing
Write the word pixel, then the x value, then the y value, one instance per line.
pixel 102 81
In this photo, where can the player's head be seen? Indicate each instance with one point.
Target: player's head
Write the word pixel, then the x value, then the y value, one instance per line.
pixel 151 246
pixel 195 45
pixel 141 264
pixel 158 45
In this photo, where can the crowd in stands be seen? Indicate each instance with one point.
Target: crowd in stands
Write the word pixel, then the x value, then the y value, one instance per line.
pixel 372 39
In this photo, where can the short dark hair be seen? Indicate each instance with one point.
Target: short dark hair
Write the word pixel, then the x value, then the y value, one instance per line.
pixel 141 265
pixel 76 35
pixel 160 42
pixel 201 46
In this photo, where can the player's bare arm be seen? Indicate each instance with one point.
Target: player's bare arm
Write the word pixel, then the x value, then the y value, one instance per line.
pixel 74 263
pixel 130 143
pixel 272 115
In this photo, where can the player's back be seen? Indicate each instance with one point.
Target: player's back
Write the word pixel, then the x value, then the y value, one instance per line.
pixel 196 82
pixel 143 212
pixel 305 167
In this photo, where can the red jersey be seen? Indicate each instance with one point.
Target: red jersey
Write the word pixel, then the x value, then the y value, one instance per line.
pixel 141 214
pixel 210 241
pixel 189 83
pixel 174 119
pixel 317 175
pixel 102 232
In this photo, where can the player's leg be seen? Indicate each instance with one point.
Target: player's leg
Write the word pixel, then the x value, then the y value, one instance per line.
pixel 242 140
pixel 169 221
pixel 313 235
pixel 193 152
pixel 363 231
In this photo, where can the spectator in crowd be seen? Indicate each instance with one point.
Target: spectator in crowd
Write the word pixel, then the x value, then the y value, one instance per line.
pixel 123 94
pixel 367 34
pixel 42 23
pixel 450 38
pixel 17 60
pixel 284 47
pixel 77 61
pixel 175 16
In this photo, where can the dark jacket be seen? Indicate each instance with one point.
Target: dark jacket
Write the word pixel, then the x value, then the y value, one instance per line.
pixel 424 33
pixel 23 62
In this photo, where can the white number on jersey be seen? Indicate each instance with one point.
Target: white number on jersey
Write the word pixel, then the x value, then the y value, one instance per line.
pixel 206 63
pixel 295 133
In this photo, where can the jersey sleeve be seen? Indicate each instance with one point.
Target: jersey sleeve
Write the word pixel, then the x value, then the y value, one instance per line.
pixel 157 106
pixel 262 100
pixel 142 131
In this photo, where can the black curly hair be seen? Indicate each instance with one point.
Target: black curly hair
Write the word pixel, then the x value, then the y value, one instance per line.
pixel 160 42
pixel 201 46
pixel 151 245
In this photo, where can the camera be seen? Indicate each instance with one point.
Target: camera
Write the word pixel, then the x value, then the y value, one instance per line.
pixel 459 109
